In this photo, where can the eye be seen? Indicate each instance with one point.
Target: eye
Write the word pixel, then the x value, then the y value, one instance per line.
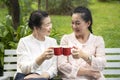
pixel 77 23
pixel 72 23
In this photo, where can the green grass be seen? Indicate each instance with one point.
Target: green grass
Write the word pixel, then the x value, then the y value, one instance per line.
pixel 106 17
pixel 62 23
pixel 106 22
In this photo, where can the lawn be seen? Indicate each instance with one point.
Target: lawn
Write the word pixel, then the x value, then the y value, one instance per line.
pixel 106 22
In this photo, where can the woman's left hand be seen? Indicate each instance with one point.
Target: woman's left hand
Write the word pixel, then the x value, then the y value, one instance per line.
pixel 76 53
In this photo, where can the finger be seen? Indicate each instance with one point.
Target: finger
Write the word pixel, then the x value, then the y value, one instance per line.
pixel 75 47
pixel 49 56
pixel 51 48
pixel 74 51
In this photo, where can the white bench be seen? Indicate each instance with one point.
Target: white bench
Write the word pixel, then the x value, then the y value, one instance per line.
pixel 10 64
pixel 111 72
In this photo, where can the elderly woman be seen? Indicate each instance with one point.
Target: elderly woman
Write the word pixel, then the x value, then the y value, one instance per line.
pixel 35 55
pixel 88 56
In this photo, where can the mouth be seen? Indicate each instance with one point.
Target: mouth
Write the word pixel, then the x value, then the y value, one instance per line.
pixel 49 31
pixel 77 30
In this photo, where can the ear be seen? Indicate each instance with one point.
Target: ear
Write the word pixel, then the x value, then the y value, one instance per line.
pixel 88 23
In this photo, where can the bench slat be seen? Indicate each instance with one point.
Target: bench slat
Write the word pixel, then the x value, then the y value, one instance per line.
pixel 112 78
pixel 10 66
pixel 4 78
pixel 113 64
pixel 113 57
pixel 115 71
pixel 10 73
pixel 112 50
pixel 10 52
pixel 8 59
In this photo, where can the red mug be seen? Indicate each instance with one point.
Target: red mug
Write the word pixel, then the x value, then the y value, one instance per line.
pixel 58 51
pixel 66 51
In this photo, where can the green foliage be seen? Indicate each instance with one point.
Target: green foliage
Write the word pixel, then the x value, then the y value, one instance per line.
pixel 56 34
pixel 9 37
pixel 62 7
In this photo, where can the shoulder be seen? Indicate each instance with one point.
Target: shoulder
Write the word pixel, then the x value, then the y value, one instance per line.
pixel 26 38
pixel 98 39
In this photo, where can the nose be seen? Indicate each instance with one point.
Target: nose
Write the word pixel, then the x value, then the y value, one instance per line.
pixel 50 26
pixel 73 25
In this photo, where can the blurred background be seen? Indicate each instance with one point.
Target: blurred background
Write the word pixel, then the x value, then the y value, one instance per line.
pixel 14 16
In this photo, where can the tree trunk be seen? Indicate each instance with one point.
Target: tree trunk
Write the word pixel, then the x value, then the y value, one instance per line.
pixel 14 11
pixel 39 4
pixel 46 5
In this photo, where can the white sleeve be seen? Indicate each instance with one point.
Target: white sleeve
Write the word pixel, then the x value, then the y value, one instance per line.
pixel 24 62
pixel 98 60
pixel 53 69
pixel 69 69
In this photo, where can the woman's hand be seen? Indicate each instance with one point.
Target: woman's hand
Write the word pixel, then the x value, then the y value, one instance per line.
pixel 87 72
pixel 43 75
pixel 47 54
pixel 76 53
pixel 95 74
pixel 32 76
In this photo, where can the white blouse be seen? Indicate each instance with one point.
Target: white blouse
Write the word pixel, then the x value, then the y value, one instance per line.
pixel 29 48
pixel 94 47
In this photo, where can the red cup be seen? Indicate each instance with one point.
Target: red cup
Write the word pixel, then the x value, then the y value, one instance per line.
pixel 57 51
pixel 66 51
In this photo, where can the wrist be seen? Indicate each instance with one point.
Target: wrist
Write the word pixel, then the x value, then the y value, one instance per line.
pixel 88 72
pixel 39 60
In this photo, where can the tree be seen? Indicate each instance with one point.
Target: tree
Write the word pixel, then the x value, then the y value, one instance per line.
pixel 14 11
pixel 39 6
pixel 46 5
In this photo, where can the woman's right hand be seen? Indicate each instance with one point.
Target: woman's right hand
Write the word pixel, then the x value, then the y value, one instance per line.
pixel 48 53
pixel 87 72
pixel 95 74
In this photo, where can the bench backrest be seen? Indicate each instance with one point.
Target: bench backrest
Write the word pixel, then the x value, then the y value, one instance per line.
pixel 10 62
pixel 111 72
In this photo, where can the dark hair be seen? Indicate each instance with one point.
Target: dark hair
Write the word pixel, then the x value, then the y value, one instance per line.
pixel 86 15
pixel 36 18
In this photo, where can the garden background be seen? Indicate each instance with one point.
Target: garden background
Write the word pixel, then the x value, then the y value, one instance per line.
pixel 14 15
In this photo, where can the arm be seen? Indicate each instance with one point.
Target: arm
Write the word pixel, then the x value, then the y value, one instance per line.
pixel 98 60
pixel 69 69
pixel 97 63
pixel 24 62
pixel 52 71
pixel 88 72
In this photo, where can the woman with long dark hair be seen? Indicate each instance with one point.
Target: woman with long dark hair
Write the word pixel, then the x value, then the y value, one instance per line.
pixel 88 53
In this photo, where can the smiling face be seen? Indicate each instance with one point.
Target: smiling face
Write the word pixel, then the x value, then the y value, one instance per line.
pixel 46 27
pixel 79 26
